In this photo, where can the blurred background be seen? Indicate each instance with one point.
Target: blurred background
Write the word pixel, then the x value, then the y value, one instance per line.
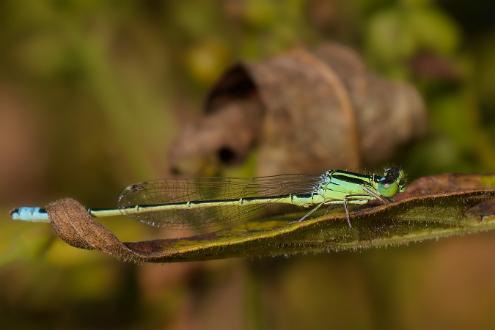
pixel 92 94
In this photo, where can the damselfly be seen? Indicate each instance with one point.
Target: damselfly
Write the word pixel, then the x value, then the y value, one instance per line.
pixel 204 202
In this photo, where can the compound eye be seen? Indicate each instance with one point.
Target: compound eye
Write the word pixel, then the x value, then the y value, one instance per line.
pixel 388 189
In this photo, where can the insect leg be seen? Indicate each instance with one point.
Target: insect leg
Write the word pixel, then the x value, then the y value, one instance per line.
pixel 346 200
pixel 356 198
pixel 311 212
pixel 375 194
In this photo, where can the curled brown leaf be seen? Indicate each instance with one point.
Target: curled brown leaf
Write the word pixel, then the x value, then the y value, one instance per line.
pixel 304 111
pixel 433 207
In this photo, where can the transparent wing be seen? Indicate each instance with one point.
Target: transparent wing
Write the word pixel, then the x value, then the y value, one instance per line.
pixel 207 189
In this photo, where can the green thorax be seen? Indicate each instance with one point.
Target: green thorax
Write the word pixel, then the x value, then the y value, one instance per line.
pixel 337 184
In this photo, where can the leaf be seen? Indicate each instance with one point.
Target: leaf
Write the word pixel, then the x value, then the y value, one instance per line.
pixel 288 102
pixel 431 208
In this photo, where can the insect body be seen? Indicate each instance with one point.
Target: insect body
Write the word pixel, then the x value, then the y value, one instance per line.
pixel 203 202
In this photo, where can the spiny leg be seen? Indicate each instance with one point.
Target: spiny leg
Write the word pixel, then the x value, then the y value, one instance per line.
pixel 375 194
pixel 311 212
pixel 356 197
pixel 363 199
pixel 347 212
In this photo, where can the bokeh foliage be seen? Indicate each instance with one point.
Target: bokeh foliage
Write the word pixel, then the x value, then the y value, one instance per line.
pixel 92 93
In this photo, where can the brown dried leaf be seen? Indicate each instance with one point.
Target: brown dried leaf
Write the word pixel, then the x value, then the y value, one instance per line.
pixel 433 207
pixel 305 111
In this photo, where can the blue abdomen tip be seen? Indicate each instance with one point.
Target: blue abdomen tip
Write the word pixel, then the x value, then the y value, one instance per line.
pixel 29 214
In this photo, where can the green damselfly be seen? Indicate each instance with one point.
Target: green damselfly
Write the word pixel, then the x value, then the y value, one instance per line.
pixel 204 202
